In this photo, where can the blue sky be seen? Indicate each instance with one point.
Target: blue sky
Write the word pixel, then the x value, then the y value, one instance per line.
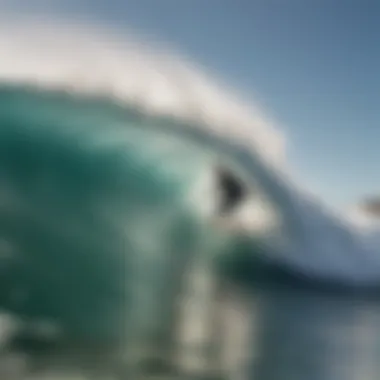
pixel 312 63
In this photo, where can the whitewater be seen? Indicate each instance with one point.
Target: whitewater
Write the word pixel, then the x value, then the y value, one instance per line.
pixel 310 238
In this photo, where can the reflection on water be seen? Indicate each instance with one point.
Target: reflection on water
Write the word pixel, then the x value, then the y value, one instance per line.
pixel 305 331
pixel 308 332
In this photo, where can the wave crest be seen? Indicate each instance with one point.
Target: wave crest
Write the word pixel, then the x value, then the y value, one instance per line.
pixel 85 58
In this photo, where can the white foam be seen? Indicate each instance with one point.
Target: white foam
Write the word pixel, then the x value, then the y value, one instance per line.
pixel 85 58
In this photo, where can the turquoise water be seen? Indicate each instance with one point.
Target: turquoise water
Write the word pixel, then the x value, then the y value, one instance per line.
pixel 86 190
pixel 78 175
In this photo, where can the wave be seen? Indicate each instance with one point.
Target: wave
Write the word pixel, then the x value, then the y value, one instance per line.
pixel 175 98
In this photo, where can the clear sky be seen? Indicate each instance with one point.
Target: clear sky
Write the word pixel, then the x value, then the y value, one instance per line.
pixel 314 64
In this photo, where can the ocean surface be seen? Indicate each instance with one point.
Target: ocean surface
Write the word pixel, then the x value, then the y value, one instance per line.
pixel 303 330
